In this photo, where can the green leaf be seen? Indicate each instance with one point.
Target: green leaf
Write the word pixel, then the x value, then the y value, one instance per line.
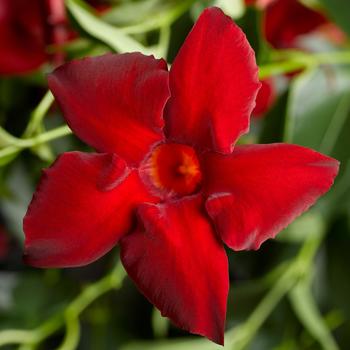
pixel 251 26
pixel 233 8
pixel 160 324
pixel 341 192
pixel 307 311
pixel 111 36
pixel 162 14
pixel 319 108
pixel 319 118
pixel 14 206
pixel 311 224
pixel 128 13
pixel 339 11
pixel 274 121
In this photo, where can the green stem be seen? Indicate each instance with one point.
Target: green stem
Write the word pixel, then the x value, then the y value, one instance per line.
pixel 271 69
pixel 164 41
pixel 333 57
pixel 70 315
pixel 336 125
pixel 46 136
pixel 13 145
pixel 15 336
pixel 38 114
pixel 72 337
pixel 288 61
pixel 94 291
pixel 240 337
pixel 6 138
pixel 21 144
pixel 31 337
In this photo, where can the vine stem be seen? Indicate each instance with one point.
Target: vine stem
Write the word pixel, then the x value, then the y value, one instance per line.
pixel 240 337
pixel 287 61
pixel 69 316
pixel 21 144
pixel 38 114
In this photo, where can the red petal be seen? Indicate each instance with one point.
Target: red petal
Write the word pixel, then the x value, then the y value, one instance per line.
pixel 60 29
pixel 213 84
pixel 333 33
pixel 114 102
pixel 177 262
pixel 258 190
pixel 265 99
pixel 82 206
pixel 285 20
pixel 22 36
pixel 100 6
pixel 4 243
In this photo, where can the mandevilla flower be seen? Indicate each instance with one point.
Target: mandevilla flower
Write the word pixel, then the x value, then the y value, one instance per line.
pixel 168 184
pixel 265 99
pixel 28 28
pixel 4 243
pixel 285 21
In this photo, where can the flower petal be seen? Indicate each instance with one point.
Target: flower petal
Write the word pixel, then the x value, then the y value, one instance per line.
pixel 4 243
pixel 265 99
pixel 258 190
pixel 285 20
pixel 83 205
pixel 178 263
pixel 213 84
pixel 114 102
pixel 22 36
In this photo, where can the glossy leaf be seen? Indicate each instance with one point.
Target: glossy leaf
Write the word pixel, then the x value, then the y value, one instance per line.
pixel 339 11
pixel 111 36
pixel 308 313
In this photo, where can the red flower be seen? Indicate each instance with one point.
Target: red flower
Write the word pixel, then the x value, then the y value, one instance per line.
pixel 100 5
pixel 171 191
pixel 22 36
pixel 27 28
pixel 265 98
pixel 4 243
pixel 285 20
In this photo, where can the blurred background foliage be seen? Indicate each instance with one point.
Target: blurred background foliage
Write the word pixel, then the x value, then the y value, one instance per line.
pixel 291 294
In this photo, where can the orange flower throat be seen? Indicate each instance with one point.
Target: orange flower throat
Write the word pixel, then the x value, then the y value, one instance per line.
pixel 174 169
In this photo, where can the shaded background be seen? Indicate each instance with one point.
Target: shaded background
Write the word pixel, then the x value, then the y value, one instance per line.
pixel 291 294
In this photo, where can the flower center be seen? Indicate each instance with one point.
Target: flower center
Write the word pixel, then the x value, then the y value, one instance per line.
pixel 173 169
